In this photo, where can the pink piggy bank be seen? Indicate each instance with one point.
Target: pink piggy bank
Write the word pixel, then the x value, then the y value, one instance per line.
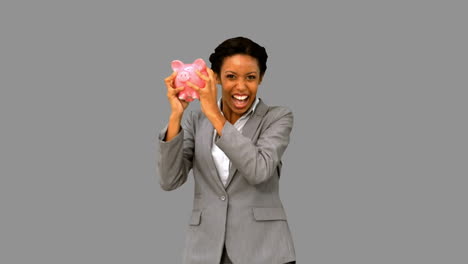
pixel 186 72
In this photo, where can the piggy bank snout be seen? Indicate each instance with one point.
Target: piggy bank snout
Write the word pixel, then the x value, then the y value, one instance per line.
pixel 183 76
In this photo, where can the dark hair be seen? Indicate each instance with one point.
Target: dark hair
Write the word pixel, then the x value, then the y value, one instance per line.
pixel 238 45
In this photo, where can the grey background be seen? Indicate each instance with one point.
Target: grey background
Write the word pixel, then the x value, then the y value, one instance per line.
pixel 375 172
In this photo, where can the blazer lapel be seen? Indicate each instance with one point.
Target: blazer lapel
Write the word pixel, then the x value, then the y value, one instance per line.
pixel 249 131
pixel 206 131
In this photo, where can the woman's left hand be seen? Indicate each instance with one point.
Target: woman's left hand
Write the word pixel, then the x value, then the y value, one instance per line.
pixel 208 99
pixel 208 94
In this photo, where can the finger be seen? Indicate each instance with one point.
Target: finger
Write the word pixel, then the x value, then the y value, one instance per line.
pixel 174 91
pixel 202 76
pixel 177 90
pixel 170 78
pixel 193 86
pixel 211 74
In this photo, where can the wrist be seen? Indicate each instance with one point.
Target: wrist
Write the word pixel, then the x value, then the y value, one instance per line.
pixel 176 117
pixel 218 121
pixel 214 114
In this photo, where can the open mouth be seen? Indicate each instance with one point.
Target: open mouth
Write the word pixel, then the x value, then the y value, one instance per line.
pixel 240 101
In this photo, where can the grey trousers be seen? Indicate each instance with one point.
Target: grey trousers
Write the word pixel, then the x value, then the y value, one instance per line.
pixel 225 258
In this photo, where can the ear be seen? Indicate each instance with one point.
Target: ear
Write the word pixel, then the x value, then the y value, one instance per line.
pixel 260 79
pixel 218 80
pixel 199 64
pixel 176 65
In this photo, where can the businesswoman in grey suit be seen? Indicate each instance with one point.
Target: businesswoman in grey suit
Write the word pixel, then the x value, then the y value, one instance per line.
pixel 233 147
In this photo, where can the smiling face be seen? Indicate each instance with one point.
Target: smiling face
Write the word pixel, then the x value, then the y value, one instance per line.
pixel 239 77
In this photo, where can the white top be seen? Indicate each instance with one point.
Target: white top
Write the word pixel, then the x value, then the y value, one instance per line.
pixel 221 161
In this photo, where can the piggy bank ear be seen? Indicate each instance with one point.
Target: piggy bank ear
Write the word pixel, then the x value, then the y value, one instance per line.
pixel 177 65
pixel 199 64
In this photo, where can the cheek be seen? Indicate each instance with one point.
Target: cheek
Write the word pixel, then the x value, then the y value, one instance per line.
pixel 254 89
pixel 225 91
pixel 226 87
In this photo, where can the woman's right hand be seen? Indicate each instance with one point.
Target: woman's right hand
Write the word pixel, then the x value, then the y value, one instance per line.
pixel 177 106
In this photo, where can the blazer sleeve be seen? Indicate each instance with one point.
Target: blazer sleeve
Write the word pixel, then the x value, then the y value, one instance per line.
pixel 176 156
pixel 258 161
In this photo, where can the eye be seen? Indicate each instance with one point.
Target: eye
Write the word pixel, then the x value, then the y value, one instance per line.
pixel 251 77
pixel 230 76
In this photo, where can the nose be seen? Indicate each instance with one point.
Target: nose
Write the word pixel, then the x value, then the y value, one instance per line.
pixel 241 84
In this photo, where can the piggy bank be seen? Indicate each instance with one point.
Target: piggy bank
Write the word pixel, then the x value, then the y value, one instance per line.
pixel 187 72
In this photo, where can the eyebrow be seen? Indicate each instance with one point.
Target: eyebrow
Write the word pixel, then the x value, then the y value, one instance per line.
pixel 236 73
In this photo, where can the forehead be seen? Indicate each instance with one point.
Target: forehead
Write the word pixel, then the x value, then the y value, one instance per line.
pixel 240 63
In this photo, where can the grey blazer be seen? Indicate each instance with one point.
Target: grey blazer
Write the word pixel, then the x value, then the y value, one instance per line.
pixel 246 215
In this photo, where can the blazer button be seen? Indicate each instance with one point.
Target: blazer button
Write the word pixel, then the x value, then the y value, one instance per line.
pixel 222 198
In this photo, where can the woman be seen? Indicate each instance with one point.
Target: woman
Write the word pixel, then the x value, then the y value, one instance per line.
pixel 234 148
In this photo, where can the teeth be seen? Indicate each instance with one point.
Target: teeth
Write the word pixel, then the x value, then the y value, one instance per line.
pixel 240 97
